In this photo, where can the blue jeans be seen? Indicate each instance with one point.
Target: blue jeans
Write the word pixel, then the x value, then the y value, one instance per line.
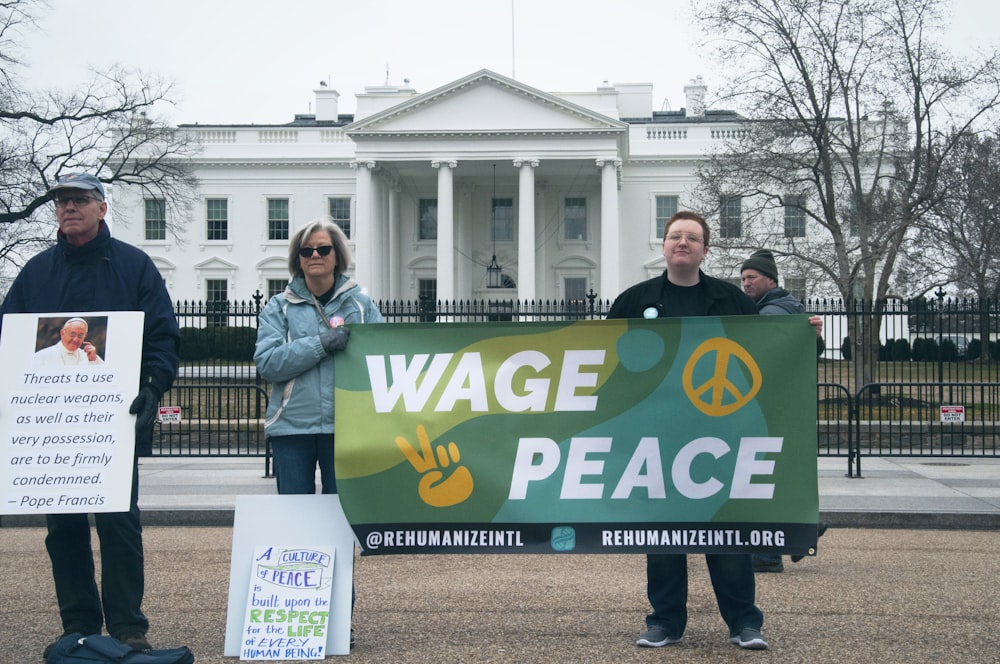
pixel 81 606
pixel 733 582
pixel 295 461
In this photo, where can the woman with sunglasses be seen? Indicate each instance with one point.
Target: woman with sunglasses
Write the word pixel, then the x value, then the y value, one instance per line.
pixel 298 334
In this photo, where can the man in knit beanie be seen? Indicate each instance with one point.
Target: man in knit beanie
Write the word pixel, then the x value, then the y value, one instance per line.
pixel 759 275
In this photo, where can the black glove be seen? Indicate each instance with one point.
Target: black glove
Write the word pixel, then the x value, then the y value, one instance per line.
pixel 335 338
pixel 144 407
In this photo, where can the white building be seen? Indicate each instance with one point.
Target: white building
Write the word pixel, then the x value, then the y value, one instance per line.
pixel 569 191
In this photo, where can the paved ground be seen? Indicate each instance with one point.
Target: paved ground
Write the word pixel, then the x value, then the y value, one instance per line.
pixel 907 573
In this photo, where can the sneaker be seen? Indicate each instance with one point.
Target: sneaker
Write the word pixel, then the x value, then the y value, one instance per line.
pixel 135 641
pixel 656 637
pixel 749 638
pixel 760 566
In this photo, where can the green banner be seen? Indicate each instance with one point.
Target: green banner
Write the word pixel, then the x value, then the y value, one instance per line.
pixel 617 436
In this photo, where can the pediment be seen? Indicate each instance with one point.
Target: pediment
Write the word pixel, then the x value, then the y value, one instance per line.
pixel 162 264
pixel 272 263
pixel 215 263
pixel 484 103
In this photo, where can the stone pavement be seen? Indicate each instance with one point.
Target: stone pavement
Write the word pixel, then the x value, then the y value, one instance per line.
pixel 906 573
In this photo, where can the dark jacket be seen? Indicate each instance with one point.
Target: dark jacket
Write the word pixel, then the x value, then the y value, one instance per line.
pixel 778 301
pixel 722 298
pixel 103 275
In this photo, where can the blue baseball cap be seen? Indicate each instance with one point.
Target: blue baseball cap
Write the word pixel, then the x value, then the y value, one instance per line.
pixel 78 181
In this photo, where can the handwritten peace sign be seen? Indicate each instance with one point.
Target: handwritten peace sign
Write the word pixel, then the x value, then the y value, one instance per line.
pixel 718 396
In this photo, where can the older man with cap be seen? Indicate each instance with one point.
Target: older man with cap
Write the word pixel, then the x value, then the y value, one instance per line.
pixel 760 281
pixel 88 270
pixel 759 275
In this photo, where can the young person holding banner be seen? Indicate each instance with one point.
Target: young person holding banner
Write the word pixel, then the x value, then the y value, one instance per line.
pixel 684 290
pixel 88 270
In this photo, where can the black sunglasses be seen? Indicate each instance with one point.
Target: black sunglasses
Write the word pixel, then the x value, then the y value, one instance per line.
pixel 322 250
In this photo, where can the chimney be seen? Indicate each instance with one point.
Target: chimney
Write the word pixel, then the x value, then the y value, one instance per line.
pixel 694 96
pixel 326 103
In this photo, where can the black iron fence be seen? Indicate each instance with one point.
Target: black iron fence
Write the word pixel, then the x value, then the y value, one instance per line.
pixel 900 378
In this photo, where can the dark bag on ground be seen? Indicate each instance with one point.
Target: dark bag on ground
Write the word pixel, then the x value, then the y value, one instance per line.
pixel 99 649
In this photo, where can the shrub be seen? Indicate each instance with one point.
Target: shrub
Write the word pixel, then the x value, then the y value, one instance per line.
pixel 899 350
pixel 924 350
pixel 235 343
pixel 193 344
pixel 218 343
pixel 845 348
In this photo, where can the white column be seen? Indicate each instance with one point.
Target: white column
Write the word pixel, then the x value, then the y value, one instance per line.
pixel 526 229
pixel 394 267
pixel 446 230
pixel 610 230
pixel 361 231
pixel 465 274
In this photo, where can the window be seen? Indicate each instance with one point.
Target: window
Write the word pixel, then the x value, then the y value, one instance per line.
pixel 730 224
pixel 217 218
pixel 428 223
pixel 156 219
pixel 575 289
pixel 797 287
pixel 340 211
pixel 427 292
pixel 277 219
pixel 216 302
pixel 575 219
pixel 276 286
pixel 503 219
pixel 666 207
pixel 795 216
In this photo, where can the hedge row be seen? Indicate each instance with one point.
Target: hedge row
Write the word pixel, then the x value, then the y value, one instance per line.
pixel 924 350
pixel 218 343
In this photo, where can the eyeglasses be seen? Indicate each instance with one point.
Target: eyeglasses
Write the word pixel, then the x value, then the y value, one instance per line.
pixel 322 250
pixel 77 201
pixel 690 237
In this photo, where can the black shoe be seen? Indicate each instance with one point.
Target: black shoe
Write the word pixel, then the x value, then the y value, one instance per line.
pixel 768 567
pixel 135 641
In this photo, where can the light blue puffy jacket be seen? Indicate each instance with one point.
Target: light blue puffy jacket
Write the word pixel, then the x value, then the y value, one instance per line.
pixel 290 356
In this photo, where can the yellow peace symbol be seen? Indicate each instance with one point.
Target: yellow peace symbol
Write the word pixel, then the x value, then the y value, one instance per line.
pixel 708 397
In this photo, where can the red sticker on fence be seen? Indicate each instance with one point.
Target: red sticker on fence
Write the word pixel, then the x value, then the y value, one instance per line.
pixel 170 414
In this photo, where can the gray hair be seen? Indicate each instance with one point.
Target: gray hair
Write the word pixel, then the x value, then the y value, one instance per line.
pixel 341 250
pixel 75 320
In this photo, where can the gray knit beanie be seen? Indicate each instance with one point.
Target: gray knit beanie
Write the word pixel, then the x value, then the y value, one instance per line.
pixel 762 260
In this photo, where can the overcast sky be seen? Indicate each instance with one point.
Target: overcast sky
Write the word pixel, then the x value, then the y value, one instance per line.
pixel 258 61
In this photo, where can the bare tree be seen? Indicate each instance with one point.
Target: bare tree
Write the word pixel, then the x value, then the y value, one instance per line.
pixel 849 106
pixel 108 126
pixel 962 236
